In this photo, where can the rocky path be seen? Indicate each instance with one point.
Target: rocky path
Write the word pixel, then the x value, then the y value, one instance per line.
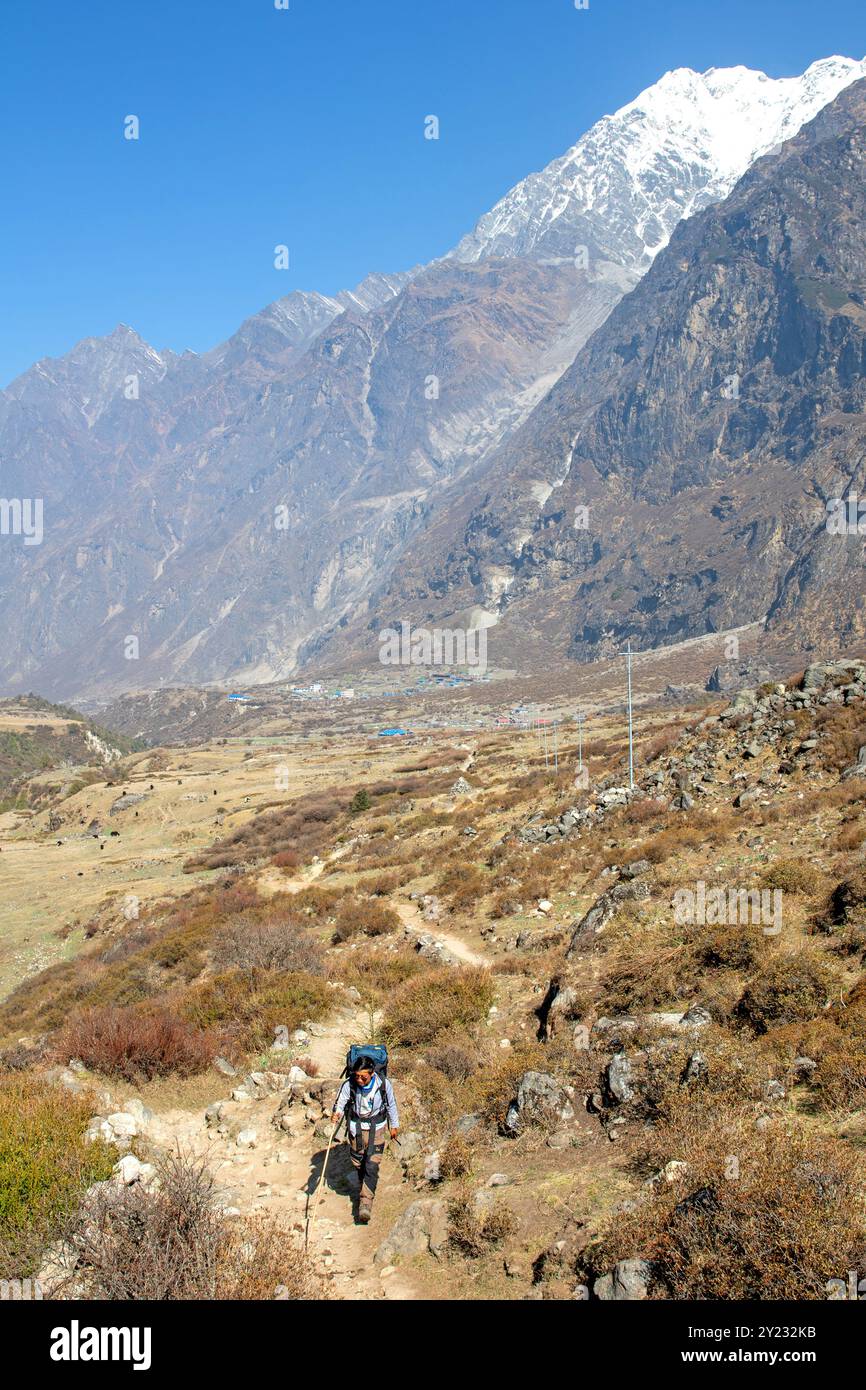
pixel 261 1169
pixel 415 925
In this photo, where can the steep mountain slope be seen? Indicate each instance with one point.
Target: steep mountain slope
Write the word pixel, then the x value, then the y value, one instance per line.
pixel 222 549
pixel 678 147
pixel 349 419
pixel 705 427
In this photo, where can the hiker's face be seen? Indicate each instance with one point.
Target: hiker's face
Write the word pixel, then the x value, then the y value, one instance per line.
pixel 363 1077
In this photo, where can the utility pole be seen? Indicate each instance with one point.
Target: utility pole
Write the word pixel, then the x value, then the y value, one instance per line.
pixel 555 750
pixel 630 729
pixel 580 740
pixel 546 758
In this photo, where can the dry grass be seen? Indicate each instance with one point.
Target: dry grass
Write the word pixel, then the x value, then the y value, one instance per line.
pixel 474 1230
pixel 758 1215
pixel 424 1008
pixel 169 1241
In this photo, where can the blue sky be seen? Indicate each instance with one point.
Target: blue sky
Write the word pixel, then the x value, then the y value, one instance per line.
pixel 305 127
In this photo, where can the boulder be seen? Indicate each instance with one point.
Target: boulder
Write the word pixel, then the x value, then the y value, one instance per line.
pixel 540 1100
pixel 422 1228
pixel 629 1281
pixel 124 802
pixel 618 1078
pixel 603 910
pixel 130 1169
pixel 857 769
pixel 124 1125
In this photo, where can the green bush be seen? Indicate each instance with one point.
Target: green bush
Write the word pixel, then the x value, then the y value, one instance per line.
pixel 423 1008
pixel 46 1165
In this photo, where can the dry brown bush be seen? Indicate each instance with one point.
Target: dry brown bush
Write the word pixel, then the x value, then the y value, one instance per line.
pixel 245 1007
pixel 136 1043
pixel 423 1008
pixel 378 974
pixel 169 1241
pixel 793 876
pixel 463 885
pixel 843 734
pixel 286 859
pixel 276 943
pixel 455 1157
pixel 364 916
pixel 474 1228
pixel 757 1215
pixel 793 986
pixel 453 1059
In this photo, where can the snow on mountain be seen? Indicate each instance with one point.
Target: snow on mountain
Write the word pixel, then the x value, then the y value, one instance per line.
pixel 678 147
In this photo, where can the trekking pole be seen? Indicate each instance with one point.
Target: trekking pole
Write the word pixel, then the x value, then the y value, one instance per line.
pixel 312 1221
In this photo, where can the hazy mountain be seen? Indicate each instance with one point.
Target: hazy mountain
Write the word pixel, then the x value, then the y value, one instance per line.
pixel 236 510
pixel 705 427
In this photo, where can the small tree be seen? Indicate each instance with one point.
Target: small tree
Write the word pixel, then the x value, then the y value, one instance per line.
pixel 360 801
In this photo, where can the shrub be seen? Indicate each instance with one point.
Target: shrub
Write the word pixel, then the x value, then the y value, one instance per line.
pixel 360 801
pixel 474 1227
pixel 422 1009
pixel 846 905
pixel 278 943
pixel 168 1241
pixel 462 886
pixel 379 974
pixel 286 859
pixel 136 1043
pixel 366 916
pixel 454 1061
pixel 248 1006
pixel 731 948
pixel 455 1157
pixel 792 876
pixel 792 987
pixel 46 1165
pixel 788 1220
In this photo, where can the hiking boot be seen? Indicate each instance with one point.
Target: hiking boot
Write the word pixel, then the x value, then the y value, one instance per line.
pixel 365 1209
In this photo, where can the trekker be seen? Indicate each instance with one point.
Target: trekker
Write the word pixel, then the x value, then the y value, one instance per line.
pixel 368 1101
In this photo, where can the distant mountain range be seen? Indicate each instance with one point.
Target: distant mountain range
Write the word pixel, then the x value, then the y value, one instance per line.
pixel 611 336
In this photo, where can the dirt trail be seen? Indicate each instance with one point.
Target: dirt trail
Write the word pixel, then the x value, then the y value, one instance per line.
pixel 412 919
pixel 280 1174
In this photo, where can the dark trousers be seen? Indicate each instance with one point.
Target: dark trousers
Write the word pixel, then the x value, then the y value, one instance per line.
pixel 366 1161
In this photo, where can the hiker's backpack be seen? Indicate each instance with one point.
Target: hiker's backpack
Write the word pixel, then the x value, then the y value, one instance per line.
pixel 378 1055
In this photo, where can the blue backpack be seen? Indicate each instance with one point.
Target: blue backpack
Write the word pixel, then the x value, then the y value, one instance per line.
pixel 377 1053
pixel 379 1057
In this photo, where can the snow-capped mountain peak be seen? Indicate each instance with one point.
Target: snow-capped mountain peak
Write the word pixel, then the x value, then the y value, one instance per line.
pixel 679 146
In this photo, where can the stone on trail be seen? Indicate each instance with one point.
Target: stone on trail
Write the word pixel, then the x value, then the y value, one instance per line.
pixel 422 1228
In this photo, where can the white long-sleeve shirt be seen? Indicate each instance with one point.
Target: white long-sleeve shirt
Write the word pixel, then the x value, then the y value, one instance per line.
pixel 368 1102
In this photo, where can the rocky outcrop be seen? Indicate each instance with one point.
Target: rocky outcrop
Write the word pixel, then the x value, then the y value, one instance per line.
pixel 540 1100
pixel 603 910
